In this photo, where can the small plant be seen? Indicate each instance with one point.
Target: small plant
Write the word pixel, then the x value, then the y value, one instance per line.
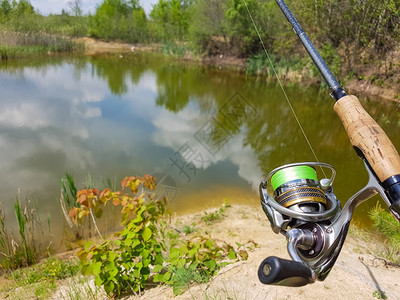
pixel 144 247
pixel 39 281
pixel 174 49
pixel 25 220
pixel 386 224
pixel 69 201
pixel 80 288
pixel 50 269
pixel 379 295
pixel 216 215
pixel 188 229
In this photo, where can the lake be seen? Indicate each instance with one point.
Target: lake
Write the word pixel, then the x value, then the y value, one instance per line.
pixel 206 134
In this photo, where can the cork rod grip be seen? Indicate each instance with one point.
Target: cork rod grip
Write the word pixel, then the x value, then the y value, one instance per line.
pixel 369 137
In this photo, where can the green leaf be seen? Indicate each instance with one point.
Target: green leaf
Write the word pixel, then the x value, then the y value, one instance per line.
pixel 109 288
pixel 232 254
pixel 146 262
pixel 192 251
pixel 98 281
pixel 146 235
pixel 158 278
pixel 183 250
pixel 96 268
pixel 159 259
pixel 211 264
pixel 112 255
pixel 87 269
pixel 136 272
pixel 167 276
pixel 157 268
pixel 180 263
pixel 87 246
pixel 174 253
pixel 112 273
pixel 139 265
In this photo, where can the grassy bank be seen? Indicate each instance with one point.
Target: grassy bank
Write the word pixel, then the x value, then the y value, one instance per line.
pixel 18 45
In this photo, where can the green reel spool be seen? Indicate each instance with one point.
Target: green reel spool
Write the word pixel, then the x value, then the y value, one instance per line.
pixel 293 173
pixel 299 186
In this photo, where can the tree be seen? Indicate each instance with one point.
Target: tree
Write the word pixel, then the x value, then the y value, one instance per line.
pixel 5 7
pixel 207 20
pixel 75 6
pixel 172 18
pixel 118 19
pixel 355 25
pixel 240 27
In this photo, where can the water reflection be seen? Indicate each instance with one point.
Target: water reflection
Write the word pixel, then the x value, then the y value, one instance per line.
pixel 112 117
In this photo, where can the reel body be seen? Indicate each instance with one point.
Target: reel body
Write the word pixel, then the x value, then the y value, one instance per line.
pixel 302 208
pixel 307 212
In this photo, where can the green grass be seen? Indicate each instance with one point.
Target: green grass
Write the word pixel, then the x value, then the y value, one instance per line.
pixel 184 277
pixel 217 215
pixel 259 64
pixel 389 229
pixel 174 49
pixel 18 45
pixel 82 288
pixel 189 229
pixel 39 281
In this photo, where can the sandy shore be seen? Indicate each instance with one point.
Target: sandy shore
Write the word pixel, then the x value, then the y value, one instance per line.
pixel 356 274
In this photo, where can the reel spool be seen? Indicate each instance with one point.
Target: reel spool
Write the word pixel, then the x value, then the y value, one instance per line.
pixel 298 189
pixel 298 196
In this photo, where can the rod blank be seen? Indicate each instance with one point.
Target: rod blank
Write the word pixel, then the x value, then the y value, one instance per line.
pixel 336 88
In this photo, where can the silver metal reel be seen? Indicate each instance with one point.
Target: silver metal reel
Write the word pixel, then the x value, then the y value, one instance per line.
pixel 314 240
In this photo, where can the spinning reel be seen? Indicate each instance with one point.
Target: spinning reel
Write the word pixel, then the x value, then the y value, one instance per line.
pixel 307 212
pixel 305 209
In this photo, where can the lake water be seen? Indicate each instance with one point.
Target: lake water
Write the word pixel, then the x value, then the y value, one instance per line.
pixel 207 134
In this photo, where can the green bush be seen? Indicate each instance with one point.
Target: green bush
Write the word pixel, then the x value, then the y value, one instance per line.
pixel 387 225
pixel 145 247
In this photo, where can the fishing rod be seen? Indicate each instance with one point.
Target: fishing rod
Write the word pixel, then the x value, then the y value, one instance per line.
pixel 305 209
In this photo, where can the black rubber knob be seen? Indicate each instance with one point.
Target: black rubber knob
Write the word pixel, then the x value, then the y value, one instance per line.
pixel 276 271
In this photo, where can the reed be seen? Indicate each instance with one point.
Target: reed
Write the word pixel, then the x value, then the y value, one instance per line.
pixel 26 231
pixel 68 200
pixel 259 64
pixel 8 254
pixel 22 250
pixel 17 44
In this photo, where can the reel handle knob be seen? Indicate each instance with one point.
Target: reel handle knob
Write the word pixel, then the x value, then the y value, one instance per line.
pixel 277 271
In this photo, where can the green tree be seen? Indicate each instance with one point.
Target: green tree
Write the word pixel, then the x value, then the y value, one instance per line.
pixel 240 27
pixel 119 19
pixel 5 9
pixel 172 18
pixel 207 20
pixel 356 26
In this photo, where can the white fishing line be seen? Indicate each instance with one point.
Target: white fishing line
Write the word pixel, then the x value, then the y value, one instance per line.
pixel 280 84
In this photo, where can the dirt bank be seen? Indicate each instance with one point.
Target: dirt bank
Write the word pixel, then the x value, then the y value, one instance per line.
pixel 356 275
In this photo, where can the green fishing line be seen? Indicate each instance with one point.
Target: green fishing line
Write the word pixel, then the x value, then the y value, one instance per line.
pixel 292 173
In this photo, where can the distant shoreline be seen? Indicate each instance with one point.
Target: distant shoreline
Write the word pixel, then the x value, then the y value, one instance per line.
pixel 360 87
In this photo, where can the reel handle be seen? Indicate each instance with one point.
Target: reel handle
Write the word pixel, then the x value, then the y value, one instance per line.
pixel 277 271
